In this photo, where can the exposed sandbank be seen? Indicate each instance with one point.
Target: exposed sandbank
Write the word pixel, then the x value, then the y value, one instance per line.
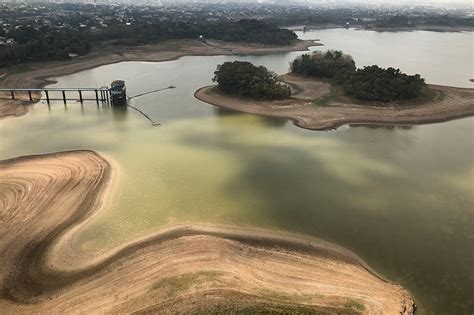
pixel 447 103
pixel 179 269
pixel 425 27
pixel 35 74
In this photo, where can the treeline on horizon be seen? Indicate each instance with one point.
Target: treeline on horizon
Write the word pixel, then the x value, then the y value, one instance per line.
pixel 82 32
pixel 47 44
pixel 341 17
pixel 370 83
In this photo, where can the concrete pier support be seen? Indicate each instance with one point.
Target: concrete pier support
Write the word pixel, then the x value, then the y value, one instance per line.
pixel 99 94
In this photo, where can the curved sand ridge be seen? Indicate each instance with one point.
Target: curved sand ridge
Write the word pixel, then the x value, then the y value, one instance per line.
pixel 450 103
pixel 178 269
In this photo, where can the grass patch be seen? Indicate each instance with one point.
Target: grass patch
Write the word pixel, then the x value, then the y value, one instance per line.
pixel 322 101
pixel 337 95
pixel 282 296
pixel 263 309
pixel 326 99
pixel 354 305
pixel 427 95
pixel 185 281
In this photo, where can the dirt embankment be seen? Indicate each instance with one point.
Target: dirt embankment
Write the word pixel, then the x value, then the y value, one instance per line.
pixel 445 103
pixel 179 269
pixel 34 74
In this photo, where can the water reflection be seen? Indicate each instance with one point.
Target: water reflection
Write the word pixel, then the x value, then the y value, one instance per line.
pixel 220 111
pixel 267 120
pixel 120 112
pixel 387 127
pixel 274 121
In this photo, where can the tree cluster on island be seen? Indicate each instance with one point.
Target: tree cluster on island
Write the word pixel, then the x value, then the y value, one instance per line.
pixel 370 83
pixel 373 83
pixel 323 64
pixel 244 79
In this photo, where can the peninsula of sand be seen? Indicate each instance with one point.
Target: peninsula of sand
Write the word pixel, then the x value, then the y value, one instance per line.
pixel 46 199
pixel 35 75
pixel 317 105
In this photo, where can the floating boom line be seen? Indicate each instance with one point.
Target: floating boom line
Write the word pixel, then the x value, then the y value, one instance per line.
pixel 153 123
pixel 150 92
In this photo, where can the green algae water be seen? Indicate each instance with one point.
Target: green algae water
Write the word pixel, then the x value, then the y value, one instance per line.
pixel 399 197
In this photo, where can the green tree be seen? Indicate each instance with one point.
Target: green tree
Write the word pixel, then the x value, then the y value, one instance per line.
pixel 370 83
pixel 244 79
pixel 327 64
pixel 377 84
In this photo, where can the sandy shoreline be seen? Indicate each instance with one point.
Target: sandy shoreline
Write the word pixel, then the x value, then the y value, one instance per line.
pixel 36 74
pixel 177 269
pixel 448 104
pixel 427 28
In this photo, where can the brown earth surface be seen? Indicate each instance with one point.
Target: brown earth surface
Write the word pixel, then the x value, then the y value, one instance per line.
pixel 445 103
pixel 178 269
pixel 34 75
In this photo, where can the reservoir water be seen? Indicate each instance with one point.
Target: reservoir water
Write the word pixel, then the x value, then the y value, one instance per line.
pixel 402 198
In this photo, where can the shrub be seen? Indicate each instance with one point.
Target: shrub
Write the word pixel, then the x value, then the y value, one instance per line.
pixel 245 79
pixel 370 83
pixel 323 64
pixel 377 84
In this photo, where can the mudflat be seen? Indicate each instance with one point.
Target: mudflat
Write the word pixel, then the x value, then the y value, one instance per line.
pixel 46 199
pixel 312 107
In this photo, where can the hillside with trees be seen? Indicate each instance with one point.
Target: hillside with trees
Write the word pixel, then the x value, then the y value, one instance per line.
pixel 369 83
pixel 43 44
pixel 244 79
pixel 45 30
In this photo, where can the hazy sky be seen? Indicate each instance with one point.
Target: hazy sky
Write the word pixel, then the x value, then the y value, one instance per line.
pixel 408 1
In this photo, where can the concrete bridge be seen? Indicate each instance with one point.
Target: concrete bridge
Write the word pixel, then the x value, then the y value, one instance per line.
pixel 102 94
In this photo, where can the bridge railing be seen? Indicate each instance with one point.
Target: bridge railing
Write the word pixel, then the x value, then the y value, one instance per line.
pixel 101 94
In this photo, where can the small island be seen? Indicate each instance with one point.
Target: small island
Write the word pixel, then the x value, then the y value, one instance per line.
pixel 325 90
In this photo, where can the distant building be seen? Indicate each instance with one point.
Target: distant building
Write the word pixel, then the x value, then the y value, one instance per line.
pixel 7 41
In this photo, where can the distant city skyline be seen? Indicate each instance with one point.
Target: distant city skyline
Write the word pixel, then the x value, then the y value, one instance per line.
pixel 448 4
pixel 314 1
